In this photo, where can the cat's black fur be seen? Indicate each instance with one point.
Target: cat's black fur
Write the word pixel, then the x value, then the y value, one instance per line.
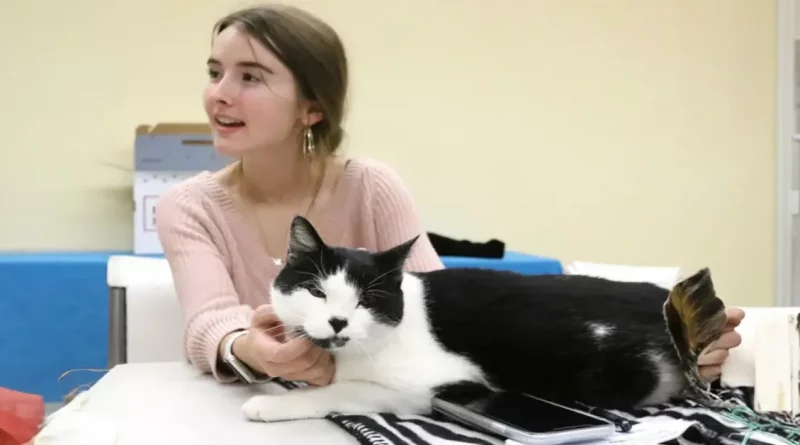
pixel 531 333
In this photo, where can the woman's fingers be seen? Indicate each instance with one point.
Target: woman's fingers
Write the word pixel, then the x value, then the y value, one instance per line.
pixel 265 321
pixel 735 316
pixel 728 340
pixel 292 350
pixel 710 373
pixel 327 368
pixel 289 369
pixel 293 358
pixel 261 346
pixel 716 353
pixel 713 358
pixel 264 317
pixel 318 374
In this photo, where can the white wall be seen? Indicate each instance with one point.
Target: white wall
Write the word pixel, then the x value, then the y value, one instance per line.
pixel 626 131
pixel 796 18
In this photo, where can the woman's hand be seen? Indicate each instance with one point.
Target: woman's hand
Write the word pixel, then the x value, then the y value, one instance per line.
pixel 267 349
pixel 710 362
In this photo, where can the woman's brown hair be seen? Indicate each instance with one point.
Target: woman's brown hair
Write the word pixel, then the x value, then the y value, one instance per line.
pixel 313 53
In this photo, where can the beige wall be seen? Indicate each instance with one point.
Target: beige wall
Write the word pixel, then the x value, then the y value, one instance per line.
pixel 621 131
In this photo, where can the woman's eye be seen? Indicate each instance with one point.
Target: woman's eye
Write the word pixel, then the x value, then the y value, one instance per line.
pixel 316 292
pixel 213 74
pixel 250 78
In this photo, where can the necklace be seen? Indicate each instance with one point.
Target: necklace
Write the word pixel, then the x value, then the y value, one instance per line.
pixel 310 200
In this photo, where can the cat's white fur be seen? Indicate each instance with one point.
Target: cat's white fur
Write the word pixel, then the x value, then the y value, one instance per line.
pixel 600 331
pixel 379 369
pixel 670 380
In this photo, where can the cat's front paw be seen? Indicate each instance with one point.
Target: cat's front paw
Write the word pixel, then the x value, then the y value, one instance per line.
pixel 264 409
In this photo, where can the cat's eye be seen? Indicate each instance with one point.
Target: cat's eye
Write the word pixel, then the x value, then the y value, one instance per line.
pixel 317 292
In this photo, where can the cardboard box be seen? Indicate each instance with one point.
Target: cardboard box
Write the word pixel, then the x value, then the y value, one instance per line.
pixel 164 155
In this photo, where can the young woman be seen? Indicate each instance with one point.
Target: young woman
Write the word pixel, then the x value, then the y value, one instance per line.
pixel 275 100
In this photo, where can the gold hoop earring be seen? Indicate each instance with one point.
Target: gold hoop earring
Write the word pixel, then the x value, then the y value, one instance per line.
pixel 308 142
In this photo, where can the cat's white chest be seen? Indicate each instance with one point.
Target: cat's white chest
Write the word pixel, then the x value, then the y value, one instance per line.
pixel 412 362
pixel 407 371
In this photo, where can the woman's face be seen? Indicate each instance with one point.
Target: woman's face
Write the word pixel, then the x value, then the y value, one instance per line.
pixel 251 98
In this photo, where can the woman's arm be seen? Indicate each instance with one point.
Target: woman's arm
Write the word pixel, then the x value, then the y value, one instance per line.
pixel 211 306
pixel 397 219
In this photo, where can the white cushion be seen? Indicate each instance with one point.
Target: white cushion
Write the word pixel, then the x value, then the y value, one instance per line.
pixel 126 270
pixel 663 276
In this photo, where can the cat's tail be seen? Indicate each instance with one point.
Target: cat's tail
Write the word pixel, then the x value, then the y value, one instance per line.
pixel 695 316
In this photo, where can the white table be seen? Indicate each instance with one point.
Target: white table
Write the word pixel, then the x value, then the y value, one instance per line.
pixel 171 403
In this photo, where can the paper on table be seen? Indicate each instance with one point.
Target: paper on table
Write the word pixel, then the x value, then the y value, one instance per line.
pixel 648 431
pixel 70 425
pixel 662 276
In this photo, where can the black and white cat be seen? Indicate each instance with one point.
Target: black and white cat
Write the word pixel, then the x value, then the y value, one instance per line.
pixel 398 338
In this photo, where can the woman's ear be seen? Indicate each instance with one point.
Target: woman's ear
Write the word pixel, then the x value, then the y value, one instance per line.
pixel 313 118
pixel 312 114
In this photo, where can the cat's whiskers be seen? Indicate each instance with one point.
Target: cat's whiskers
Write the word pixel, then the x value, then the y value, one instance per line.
pixel 377 293
pixel 315 277
pixel 291 312
pixel 302 272
pixel 321 262
pixel 371 291
pixel 316 266
pixel 272 328
pixel 290 332
pixel 303 283
pixel 316 280
pixel 287 330
pixel 274 331
pixel 371 287
pixel 296 339
pixel 371 283
pixel 299 334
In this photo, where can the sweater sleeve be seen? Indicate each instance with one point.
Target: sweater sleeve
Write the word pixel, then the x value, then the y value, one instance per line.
pixel 397 219
pixel 211 306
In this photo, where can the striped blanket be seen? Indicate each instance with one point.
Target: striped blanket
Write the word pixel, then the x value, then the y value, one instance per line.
pixel 701 425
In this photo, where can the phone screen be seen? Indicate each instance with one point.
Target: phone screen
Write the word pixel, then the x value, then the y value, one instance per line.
pixel 527 413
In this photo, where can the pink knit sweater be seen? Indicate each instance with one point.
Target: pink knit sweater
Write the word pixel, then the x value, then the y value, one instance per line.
pixel 222 273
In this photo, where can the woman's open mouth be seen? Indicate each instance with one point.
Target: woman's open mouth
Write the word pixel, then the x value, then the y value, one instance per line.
pixel 228 123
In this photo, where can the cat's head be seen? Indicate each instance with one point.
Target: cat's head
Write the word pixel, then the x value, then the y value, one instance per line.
pixel 338 297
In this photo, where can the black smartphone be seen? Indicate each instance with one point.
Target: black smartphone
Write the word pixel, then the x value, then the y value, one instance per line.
pixel 524 418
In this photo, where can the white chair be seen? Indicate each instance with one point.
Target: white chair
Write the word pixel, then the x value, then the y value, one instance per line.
pixel 145 320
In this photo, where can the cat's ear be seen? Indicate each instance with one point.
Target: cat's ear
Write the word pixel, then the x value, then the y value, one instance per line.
pixel 396 257
pixel 303 238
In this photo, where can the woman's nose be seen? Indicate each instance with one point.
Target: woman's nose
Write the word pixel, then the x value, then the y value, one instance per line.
pixel 224 90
